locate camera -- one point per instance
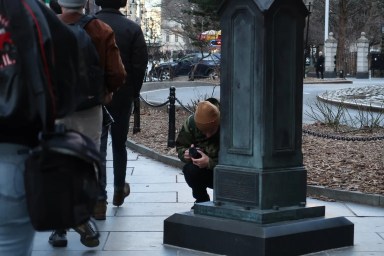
(193, 153)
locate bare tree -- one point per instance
(152, 38)
(175, 21)
(185, 19)
(347, 19)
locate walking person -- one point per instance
(27, 63)
(88, 119)
(133, 50)
(320, 66)
(197, 145)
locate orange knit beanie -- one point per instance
(207, 116)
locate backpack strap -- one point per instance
(84, 20)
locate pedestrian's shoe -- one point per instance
(58, 238)
(100, 210)
(89, 236)
(120, 194)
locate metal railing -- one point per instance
(171, 114)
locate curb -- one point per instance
(338, 195)
(351, 105)
(329, 82)
(346, 196)
(141, 149)
(156, 85)
(149, 86)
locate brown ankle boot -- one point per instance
(100, 210)
(120, 194)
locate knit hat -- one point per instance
(207, 116)
(114, 4)
(72, 3)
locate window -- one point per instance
(167, 38)
(176, 38)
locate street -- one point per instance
(186, 95)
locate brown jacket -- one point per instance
(103, 37)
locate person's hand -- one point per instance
(187, 157)
(201, 162)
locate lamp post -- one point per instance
(306, 52)
(382, 38)
(326, 22)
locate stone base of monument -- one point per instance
(234, 237)
(330, 74)
(362, 75)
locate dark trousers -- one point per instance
(120, 109)
(198, 180)
(320, 72)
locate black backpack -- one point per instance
(61, 180)
(28, 68)
(91, 92)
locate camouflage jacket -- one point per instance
(189, 134)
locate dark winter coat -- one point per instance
(132, 46)
(320, 63)
(190, 134)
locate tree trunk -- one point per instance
(343, 17)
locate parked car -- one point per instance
(206, 65)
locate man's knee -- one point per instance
(189, 168)
(191, 172)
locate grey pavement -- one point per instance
(158, 190)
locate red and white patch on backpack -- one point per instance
(7, 47)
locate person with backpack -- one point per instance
(39, 67)
(133, 50)
(110, 71)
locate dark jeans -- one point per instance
(199, 180)
(120, 109)
(320, 72)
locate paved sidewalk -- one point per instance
(158, 190)
(135, 228)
